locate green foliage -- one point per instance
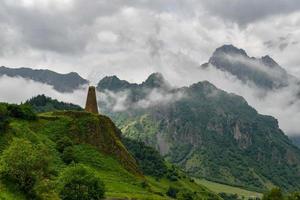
(24, 164)
(172, 192)
(186, 195)
(63, 143)
(294, 196)
(81, 183)
(226, 196)
(274, 194)
(41, 103)
(4, 117)
(22, 111)
(68, 155)
(149, 160)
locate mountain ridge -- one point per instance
(61, 82)
(265, 72)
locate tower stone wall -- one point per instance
(91, 101)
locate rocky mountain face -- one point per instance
(206, 131)
(60, 82)
(263, 72)
(296, 140)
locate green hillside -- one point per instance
(207, 132)
(47, 148)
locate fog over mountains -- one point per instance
(261, 81)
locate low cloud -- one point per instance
(18, 90)
(121, 101)
(283, 104)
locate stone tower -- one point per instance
(91, 101)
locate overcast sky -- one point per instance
(134, 38)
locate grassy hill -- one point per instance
(71, 138)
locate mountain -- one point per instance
(39, 153)
(60, 82)
(264, 72)
(207, 132)
(296, 140)
(113, 83)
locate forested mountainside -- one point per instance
(206, 131)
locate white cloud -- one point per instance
(120, 101)
(17, 90)
(135, 38)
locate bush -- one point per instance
(80, 183)
(294, 196)
(274, 194)
(63, 143)
(172, 192)
(68, 155)
(24, 164)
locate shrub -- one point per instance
(274, 194)
(63, 143)
(294, 196)
(172, 192)
(24, 163)
(68, 155)
(80, 183)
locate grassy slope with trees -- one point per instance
(49, 155)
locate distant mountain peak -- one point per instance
(112, 83)
(268, 61)
(155, 80)
(264, 71)
(229, 50)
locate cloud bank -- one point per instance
(132, 39)
(18, 90)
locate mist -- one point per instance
(120, 101)
(18, 90)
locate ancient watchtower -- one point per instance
(91, 101)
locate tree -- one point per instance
(24, 164)
(4, 118)
(81, 183)
(274, 194)
(23, 111)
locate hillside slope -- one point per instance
(92, 141)
(207, 132)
